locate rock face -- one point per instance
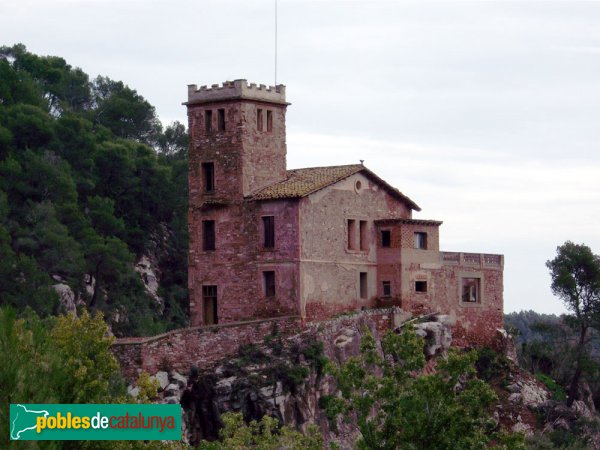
(527, 392)
(66, 297)
(149, 273)
(436, 333)
(282, 378)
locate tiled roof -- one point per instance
(302, 182)
(436, 223)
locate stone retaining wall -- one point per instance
(205, 346)
(202, 346)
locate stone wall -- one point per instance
(207, 346)
(202, 346)
(329, 269)
(245, 157)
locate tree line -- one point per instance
(89, 181)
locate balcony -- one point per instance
(481, 260)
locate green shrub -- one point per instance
(558, 392)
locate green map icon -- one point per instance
(23, 419)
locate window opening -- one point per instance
(386, 238)
(259, 119)
(208, 170)
(421, 240)
(208, 121)
(269, 121)
(387, 288)
(221, 119)
(351, 244)
(471, 290)
(364, 242)
(209, 298)
(269, 282)
(420, 286)
(363, 285)
(208, 235)
(269, 231)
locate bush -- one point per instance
(558, 392)
(491, 365)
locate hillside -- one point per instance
(92, 187)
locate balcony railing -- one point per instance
(472, 259)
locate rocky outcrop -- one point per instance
(437, 334)
(66, 297)
(148, 271)
(282, 377)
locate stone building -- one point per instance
(266, 241)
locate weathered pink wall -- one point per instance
(329, 271)
(245, 159)
(200, 346)
(207, 346)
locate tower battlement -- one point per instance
(237, 89)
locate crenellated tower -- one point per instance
(237, 146)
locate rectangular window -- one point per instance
(387, 289)
(269, 121)
(386, 238)
(364, 238)
(269, 283)
(421, 240)
(208, 172)
(420, 286)
(208, 235)
(351, 234)
(269, 231)
(221, 119)
(209, 303)
(363, 285)
(471, 290)
(208, 120)
(259, 119)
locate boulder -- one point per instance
(133, 390)
(66, 297)
(172, 390)
(163, 379)
(504, 344)
(173, 400)
(178, 379)
(437, 336)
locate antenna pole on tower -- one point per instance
(275, 42)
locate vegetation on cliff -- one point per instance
(60, 359)
(395, 405)
(89, 182)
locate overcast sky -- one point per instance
(487, 114)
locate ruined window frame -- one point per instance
(210, 293)
(221, 119)
(208, 121)
(386, 242)
(363, 285)
(209, 235)
(269, 121)
(269, 284)
(259, 119)
(351, 234)
(421, 286)
(420, 240)
(386, 288)
(363, 235)
(208, 176)
(268, 225)
(480, 289)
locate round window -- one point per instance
(357, 185)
